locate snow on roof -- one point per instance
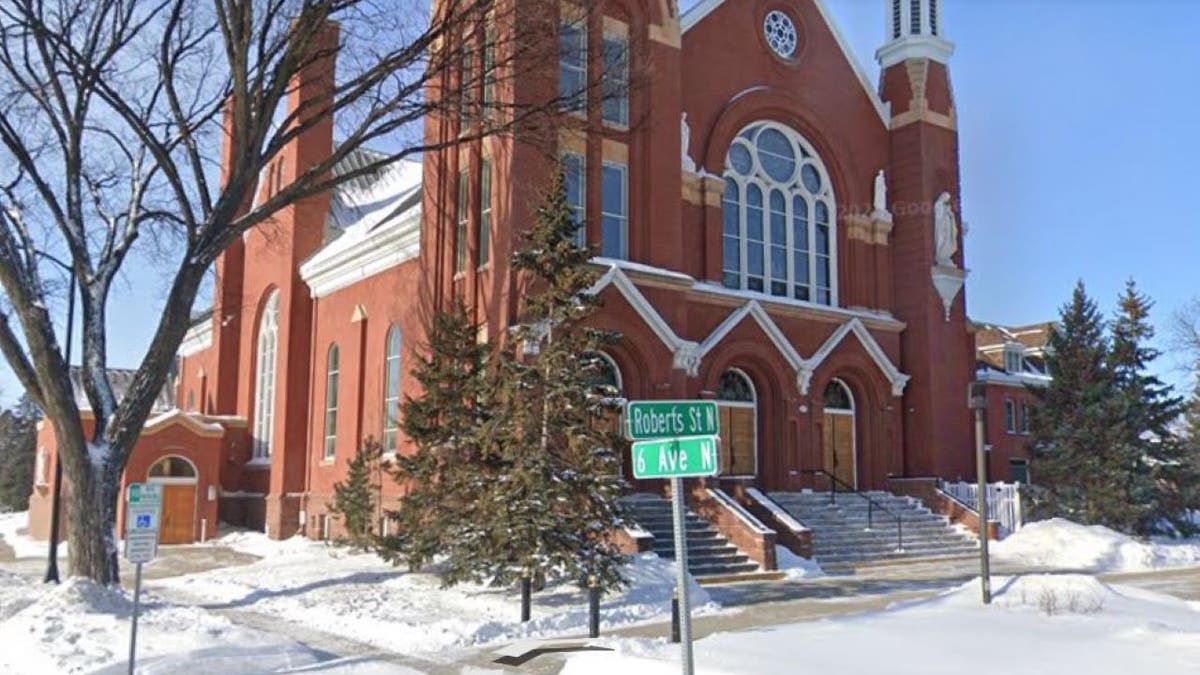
(372, 199)
(120, 379)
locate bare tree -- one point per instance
(110, 111)
(1186, 331)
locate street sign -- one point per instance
(143, 508)
(142, 513)
(670, 419)
(689, 457)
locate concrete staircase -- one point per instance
(841, 538)
(710, 555)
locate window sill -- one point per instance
(459, 276)
(328, 461)
(259, 463)
(609, 125)
(484, 267)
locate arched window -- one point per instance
(738, 409)
(778, 206)
(172, 467)
(391, 391)
(837, 397)
(331, 401)
(264, 402)
(606, 379)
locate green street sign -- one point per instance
(670, 419)
(692, 456)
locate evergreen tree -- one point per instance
(1069, 456)
(440, 510)
(1151, 467)
(553, 499)
(18, 454)
(356, 498)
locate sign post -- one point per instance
(142, 516)
(676, 440)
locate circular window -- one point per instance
(780, 31)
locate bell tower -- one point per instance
(927, 264)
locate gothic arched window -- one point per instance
(264, 401)
(778, 230)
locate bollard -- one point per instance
(526, 592)
(593, 609)
(675, 618)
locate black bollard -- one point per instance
(526, 592)
(675, 618)
(593, 611)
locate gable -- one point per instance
(825, 27)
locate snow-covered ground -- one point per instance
(1062, 544)
(359, 597)
(79, 627)
(13, 531)
(1039, 624)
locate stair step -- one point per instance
(709, 553)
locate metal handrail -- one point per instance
(871, 503)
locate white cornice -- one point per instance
(197, 339)
(357, 255)
(914, 47)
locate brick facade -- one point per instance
(905, 358)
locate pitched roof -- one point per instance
(375, 197)
(120, 379)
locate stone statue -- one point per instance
(685, 142)
(945, 231)
(880, 192)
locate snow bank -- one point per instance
(79, 627)
(360, 597)
(1061, 544)
(795, 567)
(1093, 628)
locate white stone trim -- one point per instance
(898, 379)
(835, 313)
(755, 311)
(342, 264)
(197, 339)
(688, 355)
(777, 513)
(914, 47)
(683, 350)
(702, 9)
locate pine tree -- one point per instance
(356, 498)
(440, 510)
(553, 499)
(1151, 467)
(18, 454)
(1069, 454)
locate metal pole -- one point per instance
(137, 597)
(675, 617)
(681, 560)
(526, 601)
(985, 575)
(593, 610)
(56, 489)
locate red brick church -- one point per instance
(775, 231)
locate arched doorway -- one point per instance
(838, 442)
(738, 408)
(178, 479)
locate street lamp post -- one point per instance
(977, 401)
(56, 489)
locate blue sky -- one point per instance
(1080, 157)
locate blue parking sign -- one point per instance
(143, 521)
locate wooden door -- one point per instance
(838, 445)
(178, 514)
(737, 441)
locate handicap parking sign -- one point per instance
(143, 521)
